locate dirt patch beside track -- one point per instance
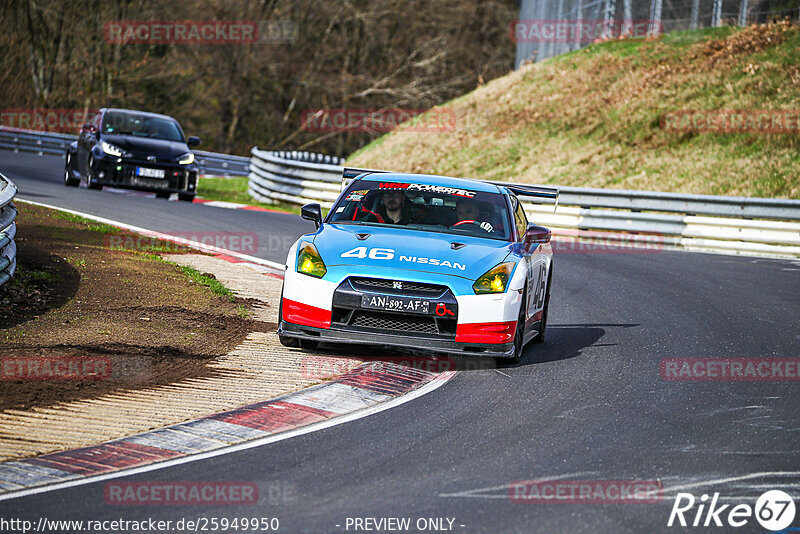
(73, 298)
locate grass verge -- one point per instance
(593, 118)
(235, 190)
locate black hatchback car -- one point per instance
(135, 150)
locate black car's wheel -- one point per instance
(186, 197)
(539, 338)
(69, 180)
(91, 179)
(163, 194)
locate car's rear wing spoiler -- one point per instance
(538, 191)
(350, 173)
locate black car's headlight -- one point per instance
(111, 150)
(310, 262)
(186, 159)
(495, 279)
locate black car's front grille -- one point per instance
(390, 321)
(397, 287)
(142, 158)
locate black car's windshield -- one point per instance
(149, 126)
(426, 207)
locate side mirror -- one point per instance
(312, 212)
(193, 141)
(537, 234)
(96, 132)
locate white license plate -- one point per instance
(398, 304)
(149, 173)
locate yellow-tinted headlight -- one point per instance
(310, 262)
(495, 279)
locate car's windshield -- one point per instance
(149, 126)
(425, 207)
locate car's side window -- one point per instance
(520, 219)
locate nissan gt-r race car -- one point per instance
(448, 265)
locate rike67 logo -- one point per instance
(774, 511)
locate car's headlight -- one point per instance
(310, 262)
(495, 279)
(111, 150)
(186, 159)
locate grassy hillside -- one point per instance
(592, 118)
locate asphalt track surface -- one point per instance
(589, 404)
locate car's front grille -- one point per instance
(150, 182)
(390, 321)
(397, 287)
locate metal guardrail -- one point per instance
(41, 143)
(742, 225)
(8, 229)
(216, 164)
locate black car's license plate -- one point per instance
(149, 173)
(398, 304)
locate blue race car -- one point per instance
(448, 265)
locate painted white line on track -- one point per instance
(397, 401)
(278, 267)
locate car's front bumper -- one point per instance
(119, 172)
(337, 334)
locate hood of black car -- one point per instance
(145, 146)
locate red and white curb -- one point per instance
(369, 388)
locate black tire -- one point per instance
(287, 341)
(91, 181)
(308, 344)
(163, 194)
(519, 336)
(186, 197)
(540, 337)
(69, 180)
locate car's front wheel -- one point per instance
(91, 179)
(69, 180)
(539, 338)
(186, 197)
(163, 194)
(308, 344)
(286, 341)
(519, 336)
